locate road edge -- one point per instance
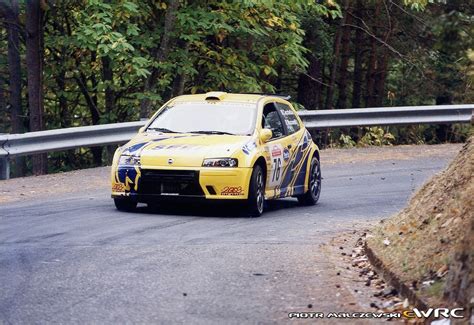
(391, 278)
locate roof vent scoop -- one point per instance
(215, 95)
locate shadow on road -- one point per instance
(213, 209)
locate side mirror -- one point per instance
(141, 130)
(265, 135)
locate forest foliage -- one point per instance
(83, 62)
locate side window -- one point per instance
(291, 122)
(271, 120)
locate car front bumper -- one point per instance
(147, 184)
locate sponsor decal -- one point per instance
(287, 112)
(249, 147)
(133, 148)
(129, 177)
(276, 151)
(177, 147)
(118, 187)
(306, 139)
(276, 166)
(232, 190)
(286, 154)
(137, 148)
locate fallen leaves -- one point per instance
(442, 271)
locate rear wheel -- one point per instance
(311, 197)
(125, 204)
(256, 199)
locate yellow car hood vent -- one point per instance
(215, 95)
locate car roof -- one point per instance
(224, 97)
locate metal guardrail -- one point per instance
(12, 145)
(380, 116)
(63, 139)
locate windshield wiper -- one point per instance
(211, 132)
(164, 130)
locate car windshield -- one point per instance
(206, 118)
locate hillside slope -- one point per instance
(430, 244)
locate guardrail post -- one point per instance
(4, 168)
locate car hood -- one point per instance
(182, 150)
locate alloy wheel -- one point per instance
(315, 182)
(260, 192)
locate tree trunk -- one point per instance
(96, 151)
(108, 78)
(310, 83)
(372, 64)
(346, 38)
(91, 101)
(82, 83)
(380, 79)
(358, 44)
(94, 84)
(309, 86)
(323, 80)
(63, 107)
(382, 67)
(64, 115)
(337, 49)
(34, 64)
(178, 85)
(446, 74)
(442, 130)
(160, 54)
(3, 106)
(14, 69)
(332, 77)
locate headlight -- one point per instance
(129, 161)
(220, 162)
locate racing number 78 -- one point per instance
(276, 171)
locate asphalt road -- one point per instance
(75, 259)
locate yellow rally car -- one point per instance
(219, 146)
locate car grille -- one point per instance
(170, 182)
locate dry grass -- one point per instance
(419, 243)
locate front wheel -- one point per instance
(311, 197)
(125, 204)
(256, 199)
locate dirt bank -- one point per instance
(430, 244)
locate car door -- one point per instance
(275, 148)
(295, 152)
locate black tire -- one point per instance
(311, 197)
(256, 199)
(125, 204)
